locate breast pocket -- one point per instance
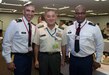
(43, 38)
(87, 38)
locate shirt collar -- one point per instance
(81, 23)
(25, 20)
(56, 26)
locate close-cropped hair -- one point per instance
(50, 10)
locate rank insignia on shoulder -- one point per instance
(61, 28)
(90, 23)
(33, 24)
(58, 34)
(41, 26)
(69, 32)
(42, 35)
(23, 32)
(18, 20)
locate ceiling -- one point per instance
(93, 7)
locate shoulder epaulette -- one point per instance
(41, 26)
(18, 20)
(61, 28)
(90, 23)
(33, 24)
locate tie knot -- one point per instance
(79, 24)
(29, 24)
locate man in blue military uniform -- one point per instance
(84, 39)
(17, 43)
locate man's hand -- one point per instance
(96, 65)
(11, 66)
(37, 64)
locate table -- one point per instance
(103, 70)
(106, 45)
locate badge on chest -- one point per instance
(77, 37)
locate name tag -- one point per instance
(42, 35)
(77, 37)
(23, 32)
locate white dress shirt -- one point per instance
(91, 40)
(16, 38)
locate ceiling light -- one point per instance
(24, 0)
(73, 11)
(62, 14)
(102, 13)
(6, 10)
(96, 0)
(14, 10)
(65, 7)
(27, 3)
(100, 0)
(50, 8)
(103, 0)
(41, 12)
(89, 11)
(93, 13)
(11, 4)
(70, 15)
(0, 1)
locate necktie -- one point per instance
(29, 35)
(77, 47)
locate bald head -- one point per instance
(80, 13)
(80, 7)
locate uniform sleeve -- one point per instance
(64, 38)
(7, 41)
(34, 30)
(36, 38)
(99, 44)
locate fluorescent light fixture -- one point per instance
(93, 13)
(103, 0)
(0, 1)
(50, 8)
(73, 11)
(100, 0)
(65, 7)
(27, 3)
(70, 15)
(103, 13)
(7, 10)
(41, 12)
(24, 0)
(62, 14)
(14, 10)
(11, 4)
(88, 11)
(96, 0)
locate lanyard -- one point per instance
(25, 25)
(50, 33)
